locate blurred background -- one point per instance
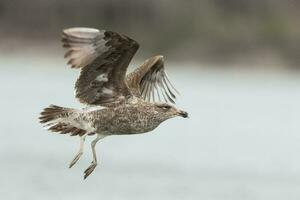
(235, 64)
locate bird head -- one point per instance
(167, 111)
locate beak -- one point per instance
(183, 114)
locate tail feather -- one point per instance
(53, 112)
(55, 119)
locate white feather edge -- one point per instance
(82, 32)
(82, 53)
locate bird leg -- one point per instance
(93, 165)
(80, 151)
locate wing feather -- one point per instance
(103, 57)
(151, 82)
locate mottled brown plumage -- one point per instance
(117, 104)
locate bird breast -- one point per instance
(133, 120)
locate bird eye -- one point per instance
(165, 107)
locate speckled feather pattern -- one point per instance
(128, 101)
(118, 104)
(131, 118)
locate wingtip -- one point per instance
(159, 58)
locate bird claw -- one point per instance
(89, 170)
(75, 159)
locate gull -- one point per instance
(115, 103)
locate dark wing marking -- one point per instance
(103, 57)
(151, 82)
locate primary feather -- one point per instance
(103, 57)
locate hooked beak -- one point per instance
(183, 114)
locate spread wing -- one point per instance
(103, 57)
(151, 82)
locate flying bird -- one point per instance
(116, 103)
